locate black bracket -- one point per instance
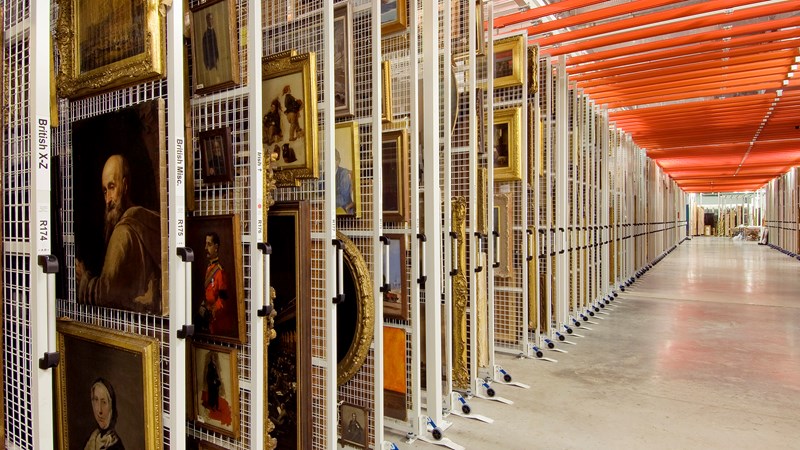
(50, 359)
(186, 331)
(49, 264)
(265, 248)
(264, 311)
(186, 254)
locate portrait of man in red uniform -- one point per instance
(214, 319)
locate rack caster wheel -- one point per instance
(437, 434)
(569, 330)
(596, 309)
(591, 313)
(466, 409)
(602, 305)
(550, 344)
(490, 392)
(561, 337)
(507, 378)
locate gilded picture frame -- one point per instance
(394, 16)
(348, 169)
(462, 31)
(460, 293)
(386, 90)
(481, 215)
(289, 400)
(215, 46)
(356, 315)
(508, 54)
(353, 425)
(217, 274)
(343, 96)
(88, 30)
(214, 378)
(216, 156)
(507, 143)
(395, 300)
(395, 176)
(291, 132)
(109, 271)
(122, 368)
(502, 224)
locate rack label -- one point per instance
(41, 166)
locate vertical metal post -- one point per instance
(605, 198)
(490, 317)
(523, 197)
(446, 79)
(562, 192)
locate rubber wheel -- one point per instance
(466, 409)
(569, 330)
(539, 354)
(507, 378)
(551, 345)
(591, 313)
(578, 324)
(561, 337)
(585, 319)
(490, 392)
(437, 434)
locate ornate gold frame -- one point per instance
(386, 90)
(144, 347)
(400, 24)
(460, 294)
(517, 45)
(350, 131)
(533, 69)
(134, 69)
(505, 226)
(482, 200)
(289, 63)
(512, 117)
(362, 340)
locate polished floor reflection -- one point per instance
(703, 352)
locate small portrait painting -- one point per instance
(108, 389)
(395, 303)
(348, 170)
(215, 49)
(504, 63)
(217, 289)
(508, 54)
(215, 393)
(353, 425)
(506, 144)
(501, 145)
(290, 115)
(395, 175)
(216, 156)
(120, 209)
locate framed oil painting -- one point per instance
(395, 176)
(216, 157)
(395, 300)
(506, 148)
(120, 198)
(108, 388)
(502, 224)
(348, 170)
(106, 44)
(508, 53)
(353, 425)
(217, 286)
(386, 89)
(395, 373)
(215, 46)
(289, 354)
(214, 373)
(394, 16)
(355, 319)
(343, 96)
(461, 30)
(290, 120)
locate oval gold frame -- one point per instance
(362, 339)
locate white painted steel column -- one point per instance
(259, 288)
(562, 193)
(42, 285)
(180, 277)
(475, 257)
(331, 273)
(523, 347)
(378, 247)
(537, 215)
(447, 158)
(489, 122)
(433, 209)
(417, 423)
(604, 205)
(549, 235)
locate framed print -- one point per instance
(356, 317)
(348, 170)
(120, 198)
(289, 356)
(217, 287)
(353, 426)
(108, 388)
(386, 89)
(394, 16)
(214, 373)
(395, 373)
(216, 157)
(506, 148)
(290, 121)
(395, 176)
(395, 300)
(215, 46)
(106, 44)
(343, 60)
(502, 223)
(508, 61)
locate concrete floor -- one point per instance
(703, 352)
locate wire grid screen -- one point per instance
(17, 357)
(509, 294)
